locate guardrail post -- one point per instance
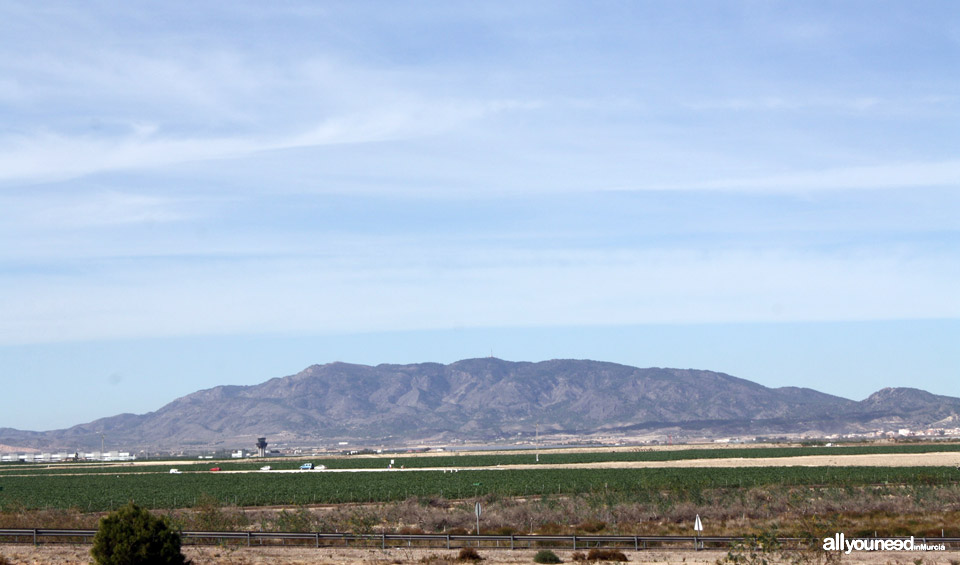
(448, 541)
(511, 541)
(317, 535)
(574, 543)
(383, 541)
(34, 536)
(636, 544)
(248, 539)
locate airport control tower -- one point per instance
(261, 446)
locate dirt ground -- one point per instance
(945, 459)
(79, 554)
(951, 459)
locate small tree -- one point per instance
(133, 536)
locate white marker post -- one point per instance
(478, 510)
(697, 529)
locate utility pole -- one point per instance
(537, 442)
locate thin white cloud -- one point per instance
(51, 156)
(413, 120)
(873, 177)
(204, 86)
(896, 175)
(97, 209)
(418, 289)
(787, 103)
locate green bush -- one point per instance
(133, 536)
(546, 556)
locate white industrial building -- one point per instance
(64, 456)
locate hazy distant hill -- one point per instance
(490, 399)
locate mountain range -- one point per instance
(492, 400)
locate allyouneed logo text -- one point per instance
(839, 542)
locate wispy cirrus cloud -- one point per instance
(49, 156)
(868, 177)
(871, 177)
(343, 292)
(787, 103)
(101, 208)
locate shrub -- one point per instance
(211, 516)
(592, 526)
(606, 555)
(133, 536)
(578, 556)
(546, 556)
(469, 554)
(301, 520)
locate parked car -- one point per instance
(175, 471)
(214, 469)
(306, 466)
(265, 468)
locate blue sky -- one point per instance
(194, 195)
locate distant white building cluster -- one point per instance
(901, 432)
(64, 456)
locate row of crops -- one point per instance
(100, 492)
(494, 459)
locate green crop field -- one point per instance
(105, 491)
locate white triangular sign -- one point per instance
(698, 525)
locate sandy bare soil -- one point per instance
(71, 555)
(948, 459)
(872, 460)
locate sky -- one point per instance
(196, 194)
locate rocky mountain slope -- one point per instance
(490, 399)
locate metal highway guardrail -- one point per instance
(428, 541)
